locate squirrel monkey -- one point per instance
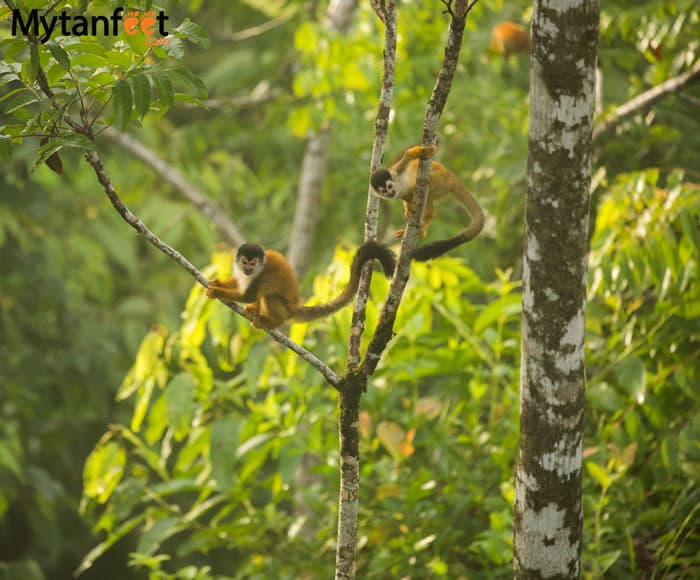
(399, 181)
(508, 38)
(266, 282)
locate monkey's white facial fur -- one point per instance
(249, 263)
(388, 189)
(383, 183)
(249, 267)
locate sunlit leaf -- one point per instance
(599, 474)
(631, 374)
(103, 471)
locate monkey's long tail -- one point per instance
(435, 249)
(366, 252)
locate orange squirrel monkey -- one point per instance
(266, 282)
(508, 38)
(399, 181)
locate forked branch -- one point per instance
(385, 327)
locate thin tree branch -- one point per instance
(690, 99)
(240, 102)
(646, 99)
(386, 11)
(94, 160)
(385, 327)
(260, 29)
(201, 201)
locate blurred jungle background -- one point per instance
(148, 433)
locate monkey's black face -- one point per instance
(383, 183)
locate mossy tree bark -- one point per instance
(548, 514)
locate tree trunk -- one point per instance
(548, 518)
(313, 174)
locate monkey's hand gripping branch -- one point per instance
(96, 163)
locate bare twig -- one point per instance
(239, 102)
(260, 29)
(356, 375)
(646, 99)
(93, 159)
(386, 11)
(172, 175)
(96, 163)
(690, 99)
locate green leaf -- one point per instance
(20, 102)
(164, 88)
(306, 38)
(93, 61)
(143, 400)
(121, 93)
(142, 94)
(5, 148)
(160, 531)
(632, 375)
(146, 359)
(103, 471)
(194, 33)
(179, 396)
(175, 48)
(59, 54)
(599, 474)
(33, 68)
(299, 121)
(196, 85)
(606, 561)
(22, 570)
(499, 310)
(112, 539)
(225, 434)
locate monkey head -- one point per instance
(250, 260)
(382, 182)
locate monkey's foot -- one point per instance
(399, 233)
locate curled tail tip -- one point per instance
(372, 250)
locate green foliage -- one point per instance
(225, 425)
(226, 462)
(130, 75)
(643, 402)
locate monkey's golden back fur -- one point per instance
(278, 279)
